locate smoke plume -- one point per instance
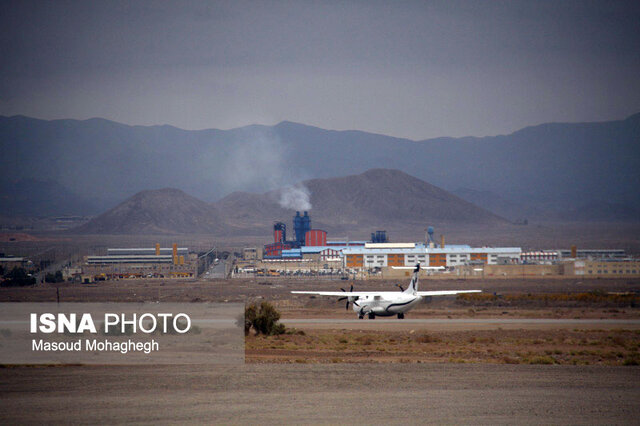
(259, 161)
(295, 197)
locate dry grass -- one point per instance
(595, 298)
(566, 347)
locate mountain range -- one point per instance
(76, 167)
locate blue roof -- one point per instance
(292, 253)
(313, 249)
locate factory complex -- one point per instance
(312, 244)
(309, 252)
(158, 262)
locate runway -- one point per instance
(460, 323)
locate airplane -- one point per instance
(386, 303)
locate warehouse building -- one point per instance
(591, 253)
(124, 263)
(409, 254)
(603, 268)
(8, 263)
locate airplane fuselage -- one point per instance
(385, 305)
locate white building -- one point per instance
(384, 255)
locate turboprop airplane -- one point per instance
(386, 303)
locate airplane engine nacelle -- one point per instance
(378, 310)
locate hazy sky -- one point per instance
(410, 69)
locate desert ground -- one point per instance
(528, 351)
(526, 321)
(322, 394)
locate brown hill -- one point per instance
(162, 211)
(376, 198)
(248, 210)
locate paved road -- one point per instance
(312, 394)
(217, 271)
(497, 321)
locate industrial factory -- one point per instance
(312, 244)
(305, 251)
(126, 263)
(309, 251)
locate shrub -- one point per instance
(18, 277)
(250, 313)
(263, 320)
(54, 278)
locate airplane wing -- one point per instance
(428, 268)
(381, 293)
(346, 293)
(446, 292)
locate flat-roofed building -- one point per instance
(158, 262)
(409, 254)
(605, 268)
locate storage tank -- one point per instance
(315, 238)
(379, 237)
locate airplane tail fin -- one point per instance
(413, 285)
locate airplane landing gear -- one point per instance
(400, 316)
(372, 315)
(360, 316)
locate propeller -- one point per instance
(348, 298)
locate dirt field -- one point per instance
(368, 371)
(323, 394)
(551, 345)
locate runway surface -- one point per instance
(322, 394)
(460, 323)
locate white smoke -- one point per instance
(259, 162)
(255, 163)
(295, 197)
